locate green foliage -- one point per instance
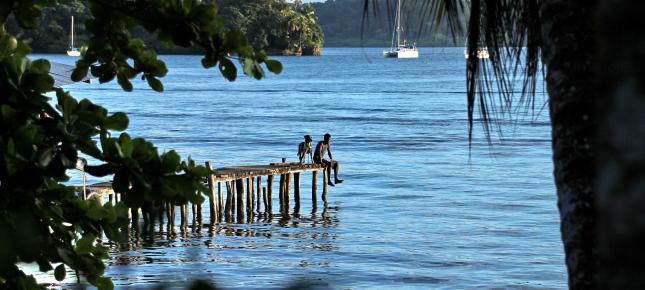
(274, 25)
(42, 220)
(271, 25)
(52, 32)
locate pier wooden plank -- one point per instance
(239, 201)
(239, 172)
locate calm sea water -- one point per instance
(415, 212)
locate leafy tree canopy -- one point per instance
(274, 24)
(41, 218)
(271, 25)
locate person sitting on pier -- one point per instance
(304, 150)
(323, 146)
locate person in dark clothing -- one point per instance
(304, 150)
(319, 153)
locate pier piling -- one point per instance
(270, 193)
(314, 189)
(238, 203)
(324, 191)
(212, 198)
(240, 200)
(296, 191)
(287, 193)
(258, 191)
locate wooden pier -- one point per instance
(249, 193)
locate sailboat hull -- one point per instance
(73, 53)
(407, 53)
(481, 54)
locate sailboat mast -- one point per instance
(71, 35)
(398, 23)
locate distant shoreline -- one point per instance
(323, 49)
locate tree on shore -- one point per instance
(593, 57)
(265, 23)
(41, 219)
(275, 25)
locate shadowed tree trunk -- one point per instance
(568, 53)
(621, 183)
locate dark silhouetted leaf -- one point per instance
(273, 66)
(60, 272)
(117, 122)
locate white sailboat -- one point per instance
(398, 50)
(482, 52)
(72, 50)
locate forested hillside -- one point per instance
(273, 25)
(276, 26)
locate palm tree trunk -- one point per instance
(568, 33)
(621, 178)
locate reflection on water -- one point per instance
(420, 210)
(193, 250)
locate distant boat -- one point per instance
(398, 50)
(72, 50)
(482, 52)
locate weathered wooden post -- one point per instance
(270, 193)
(325, 178)
(265, 199)
(183, 212)
(193, 207)
(173, 208)
(249, 194)
(233, 187)
(281, 193)
(200, 213)
(227, 205)
(220, 199)
(169, 213)
(134, 213)
(240, 199)
(186, 214)
(258, 191)
(314, 189)
(212, 198)
(287, 193)
(296, 191)
(228, 211)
